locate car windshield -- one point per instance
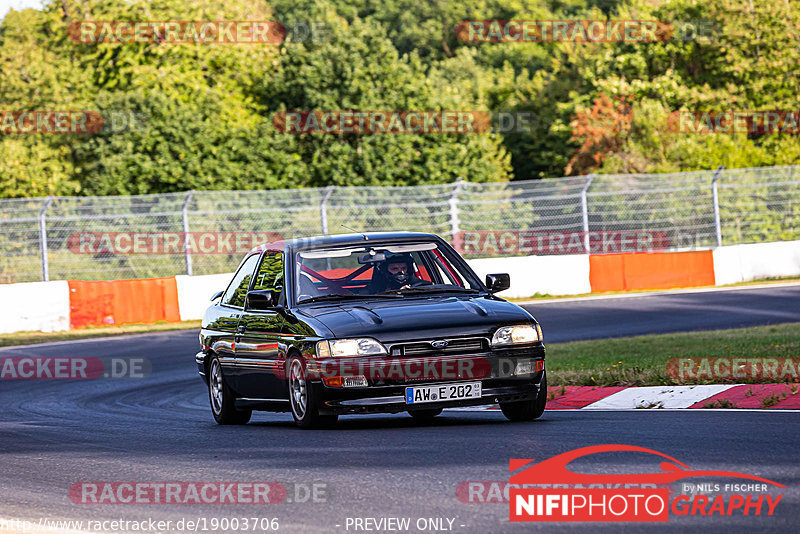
(379, 270)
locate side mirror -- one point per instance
(217, 295)
(498, 282)
(261, 299)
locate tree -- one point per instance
(359, 69)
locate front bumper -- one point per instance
(396, 403)
(200, 360)
(386, 392)
(495, 371)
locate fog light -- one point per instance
(524, 367)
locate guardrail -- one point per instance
(41, 238)
(65, 305)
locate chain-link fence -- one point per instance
(44, 238)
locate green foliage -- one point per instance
(204, 112)
(359, 69)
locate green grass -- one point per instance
(642, 360)
(720, 403)
(26, 338)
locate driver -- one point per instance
(396, 272)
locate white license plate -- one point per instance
(443, 392)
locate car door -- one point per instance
(259, 365)
(227, 315)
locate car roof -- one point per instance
(344, 239)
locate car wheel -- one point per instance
(527, 410)
(222, 398)
(425, 416)
(304, 399)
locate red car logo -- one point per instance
(554, 470)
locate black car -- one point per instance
(367, 323)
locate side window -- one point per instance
(420, 271)
(446, 272)
(234, 295)
(270, 274)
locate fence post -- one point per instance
(187, 254)
(715, 201)
(43, 238)
(455, 223)
(323, 211)
(585, 212)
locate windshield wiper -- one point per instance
(339, 296)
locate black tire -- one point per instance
(527, 410)
(304, 398)
(223, 401)
(425, 416)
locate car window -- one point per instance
(447, 273)
(374, 269)
(418, 267)
(335, 268)
(270, 273)
(237, 290)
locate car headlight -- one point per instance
(512, 335)
(345, 348)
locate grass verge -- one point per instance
(26, 338)
(642, 360)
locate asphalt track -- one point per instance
(159, 429)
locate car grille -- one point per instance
(454, 346)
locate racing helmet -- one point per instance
(397, 280)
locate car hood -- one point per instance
(414, 318)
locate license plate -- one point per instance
(443, 392)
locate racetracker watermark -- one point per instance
(581, 31)
(529, 242)
(165, 243)
(195, 524)
(177, 31)
(404, 122)
(782, 369)
(208, 492)
(336, 372)
(71, 368)
(50, 122)
(731, 122)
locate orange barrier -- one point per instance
(122, 301)
(658, 270)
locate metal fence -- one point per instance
(680, 211)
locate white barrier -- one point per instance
(553, 275)
(742, 263)
(194, 293)
(34, 306)
(45, 306)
